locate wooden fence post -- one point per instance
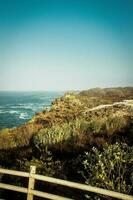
(31, 182)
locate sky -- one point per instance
(65, 44)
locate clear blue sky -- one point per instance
(65, 44)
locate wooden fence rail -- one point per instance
(31, 192)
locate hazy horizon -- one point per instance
(66, 90)
(49, 45)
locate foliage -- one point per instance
(45, 165)
(108, 125)
(111, 168)
(57, 135)
(54, 140)
(82, 132)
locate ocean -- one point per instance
(16, 108)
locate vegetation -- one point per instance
(111, 168)
(96, 140)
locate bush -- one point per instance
(57, 136)
(111, 168)
(45, 165)
(109, 125)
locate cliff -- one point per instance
(101, 114)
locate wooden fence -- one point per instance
(31, 192)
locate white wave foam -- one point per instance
(13, 112)
(2, 111)
(23, 116)
(18, 108)
(24, 106)
(33, 106)
(9, 111)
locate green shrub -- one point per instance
(45, 165)
(57, 135)
(111, 168)
(80, 133)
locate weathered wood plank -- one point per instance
(84, 187)
(13, 188)
(32, 176)
(14, 172)
(48, 195)
(31, 183)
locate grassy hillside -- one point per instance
(71, 107)
(81, 130)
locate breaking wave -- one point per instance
(23, 116)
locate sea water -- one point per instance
(16, 108)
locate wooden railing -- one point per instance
(31, 192)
